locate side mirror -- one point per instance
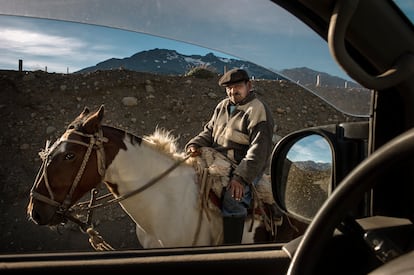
(306, 166)
(305, 180)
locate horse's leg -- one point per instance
(147, 240)
(290, 229)
(251, 236)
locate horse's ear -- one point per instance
(93, 123)
(101, 112)
(85, 112)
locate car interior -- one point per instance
(361, 210)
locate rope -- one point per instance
(95, 239)
(212, 169)
(97, 242)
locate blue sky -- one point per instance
(313, 147)
(63, 47)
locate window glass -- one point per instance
(51, 70)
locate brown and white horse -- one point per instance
(158, 190)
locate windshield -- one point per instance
(267, 36)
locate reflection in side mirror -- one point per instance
(307, 174)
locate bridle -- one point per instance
(96, 142)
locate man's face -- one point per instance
(238, 91)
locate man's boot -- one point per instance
(233, 230)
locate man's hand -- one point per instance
(236, 188)
(193, 151)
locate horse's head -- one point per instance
(72, 166)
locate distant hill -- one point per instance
(306, 77)
(170, 62)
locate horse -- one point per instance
(155, 184)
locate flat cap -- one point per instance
(233, 76)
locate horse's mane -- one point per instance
(161, 139)
(164, 141)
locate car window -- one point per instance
(223, 31)
(51, 70)
(406, 8)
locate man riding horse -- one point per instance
(240, 128)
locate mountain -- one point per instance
(313, 166)
(170, 62)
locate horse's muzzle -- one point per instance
(43, 214)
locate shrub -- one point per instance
(202, 71)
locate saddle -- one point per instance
(213, 172)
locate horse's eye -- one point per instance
(69, 156)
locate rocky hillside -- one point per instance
(171, 62)
(37, 106)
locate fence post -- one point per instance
(318, 80)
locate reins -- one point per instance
(95, 142)
(142, 188)
(97, 242)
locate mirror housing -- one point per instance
(307, 165)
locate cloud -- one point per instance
(42, 44)
(39, 50)
(232, 27)
(312, 147)
(38, 44)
